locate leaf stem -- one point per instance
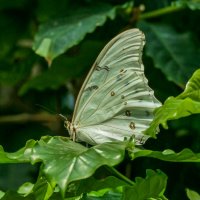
(162, 11)
(119, 175)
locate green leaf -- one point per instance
(11, 195)
(16, 157)
(16, 69)
(168, 50)
(192, 4)
(25, 189)
(1, 194)
(43, 189)
(187, 103)
(93, 184)
(192, 195)
(111, 195)
(152, 187)
(11, 28)
(186, 155)
(62, 158)
(55, 37)
(192, 89)
(65, 68)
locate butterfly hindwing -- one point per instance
(115, 100)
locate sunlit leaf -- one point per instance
(187, 103)
(26, 188)
(16, 157)
(192, 195)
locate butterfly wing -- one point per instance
(115, 100)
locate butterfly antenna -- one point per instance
(45, 108)
(62, 117)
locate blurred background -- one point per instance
(46, 49)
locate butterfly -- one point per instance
(115, 101)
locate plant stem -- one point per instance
(119, 175)
(161, 11)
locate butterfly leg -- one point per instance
(74, 135)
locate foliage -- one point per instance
(47, 48)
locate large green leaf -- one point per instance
(152, 187)
(62, 158)
(187, 103)
(175, 54)
(55, 37)
(66, 161)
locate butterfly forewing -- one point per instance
(115, 100)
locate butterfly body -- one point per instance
(115, 101)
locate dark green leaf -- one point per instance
(175, 54)
(186, 155)
(111, 195)
(16, 69)
(65, 68)
(55, 37)
(43, 189)
(152, 187)
(11, 27)
(192, 4)
(10, 195)
(92, 184)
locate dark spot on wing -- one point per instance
(128, 113)
(98, 68)
(132, 125)
(93, 87)
(112, 93)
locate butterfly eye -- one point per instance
(121, 70)
(128, 113)
(132, 125)
(112, 93)
(122, 97)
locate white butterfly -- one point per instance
(115, 101)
